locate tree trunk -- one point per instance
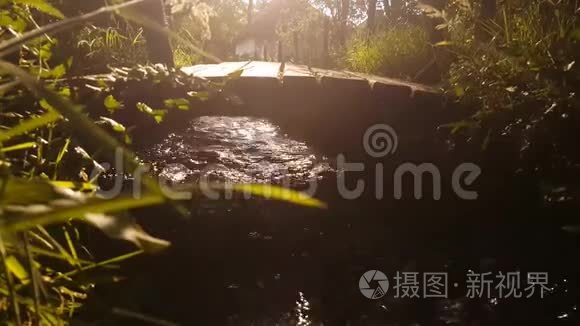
(371, 15)
(158, 43)
(325, 42)
(296, 47)
(344, 13)
(280, 52)
(396, 9)
(250, 12)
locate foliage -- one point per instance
(50, 148)
(302, 23)
(519, 72)
(398, 51)
(191, 21)
(121, 45)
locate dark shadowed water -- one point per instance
(256, 262)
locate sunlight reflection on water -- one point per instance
(236, 149)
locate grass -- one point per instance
(43, 182)
(400, 51)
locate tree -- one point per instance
(371, 15)
(343, 27)
(158, 43)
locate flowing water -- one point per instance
(238, 150)
(254, 262)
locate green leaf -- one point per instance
(44, 104)
(71, 246)
(158, 115)
(17, 24)
(178, 103)
(29, 125)
(45, 52)
(65, 91)
(113, 124)
(279, 193)
(18, 147)
(17, 269)
(60, 214)
(235, 74)
(144, 108)
(18, 191)
(80, 186)
(58, 71)
(42, 6)
(62, 151)
(112, 104)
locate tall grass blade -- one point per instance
(10, 283)
(60, 215)
(104, 263)
(29, 125)
(280, 194)
(18, 147)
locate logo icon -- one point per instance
(374, 278)
(380, 140)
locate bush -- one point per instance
(122, 45)
(519, 73)
(401, 51)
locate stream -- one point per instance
(258, 262)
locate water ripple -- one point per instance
(235, 149)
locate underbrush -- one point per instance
(56, 129)
(400, 51)
(518, 74)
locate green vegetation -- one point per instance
(55, 126)
(401, 51)
(518, 71)
(70, 72)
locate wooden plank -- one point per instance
(293, 70)
(298, 73)
(335, 74)
(219, 70)
(373, 79)
(261, 69)
(341, 81)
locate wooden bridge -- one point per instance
(332, 107)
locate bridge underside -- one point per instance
(328, 108)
